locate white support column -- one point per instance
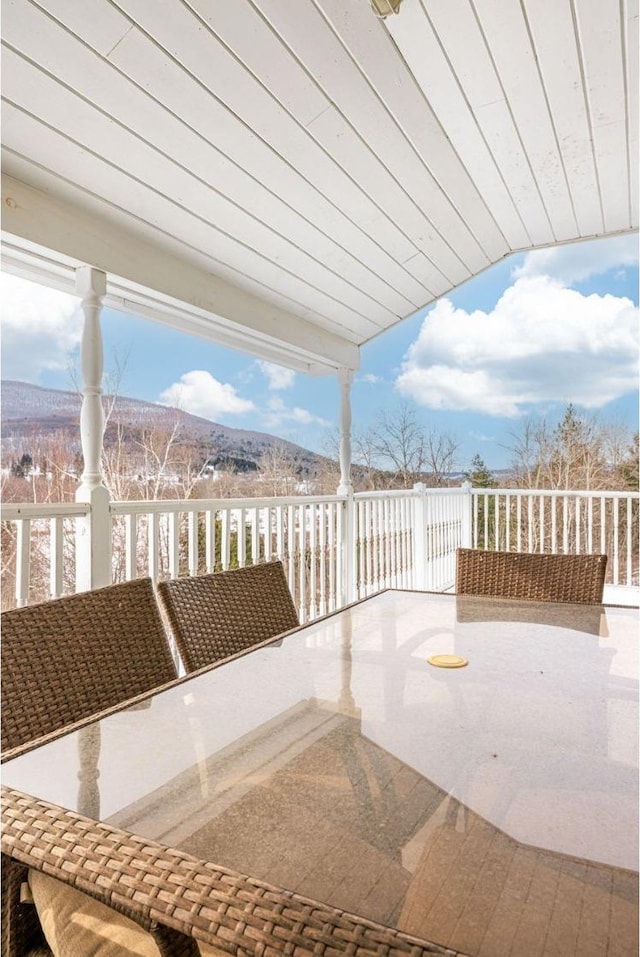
(345, 380)
(93, 535)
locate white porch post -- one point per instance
(345, 380)
(93, 533)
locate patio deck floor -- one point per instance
(410, 855)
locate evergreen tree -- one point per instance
(23, 467)
(479, 474)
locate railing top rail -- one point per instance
(411, 492)
(143, 507)
(13, 512)
(551, 492)
(387, 493)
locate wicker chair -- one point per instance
(559, 578)
(62, 661)
(66, 659)
(184, 899)
(214, 616)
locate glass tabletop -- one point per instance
(341, 764)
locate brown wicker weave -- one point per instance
(205, 902)
(62, 661)
(561, 578)
(65, 659)
(214, 616)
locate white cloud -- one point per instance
(541, 342)
(370, 378)
(277, 376)
(575, 262)
(40, 328)
(201, 394)
(278, 414)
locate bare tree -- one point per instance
(279, 470)
(399, 441)
(579, 452)
(440, 457)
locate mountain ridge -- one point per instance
(27, 410)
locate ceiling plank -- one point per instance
(506, 33)
(371, 46)
(37, 218)
(205, 163)
(552, 28)
(158, 85)
(356, 103)
(133, 197)
(606, 98)
(326, 139)
(486, 143)
(632, 78)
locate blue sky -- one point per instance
(522, 340)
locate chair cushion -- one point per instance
(76, 925)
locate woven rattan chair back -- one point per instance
(66, 659)
(214, 616)
(565, 578)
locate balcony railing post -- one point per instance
(420, 531)
(93, 543)
(466, 530)
(349, 537)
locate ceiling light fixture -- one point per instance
(382, 8)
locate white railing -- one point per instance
(334, 548)
(189, 537)
(563, 522)
(384, 541)
(38, 550)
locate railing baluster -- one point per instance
(131, 546)
(334, 511)
(302, 549)
(23, 562)
(267, 516)
(255, 536)
(322, 518)
(360, 545)
(192, 532)
(152, 543)
(616, 541)
(280, 532)
(225, 541)
(174, 545)
(475, 520)
(313, 557)
(56, 557)
(629, 576)
(368, 530)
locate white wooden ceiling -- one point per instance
(296, 176)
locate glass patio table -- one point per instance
(491, 807)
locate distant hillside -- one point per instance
(30, 410)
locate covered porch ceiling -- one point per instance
(293, 177)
